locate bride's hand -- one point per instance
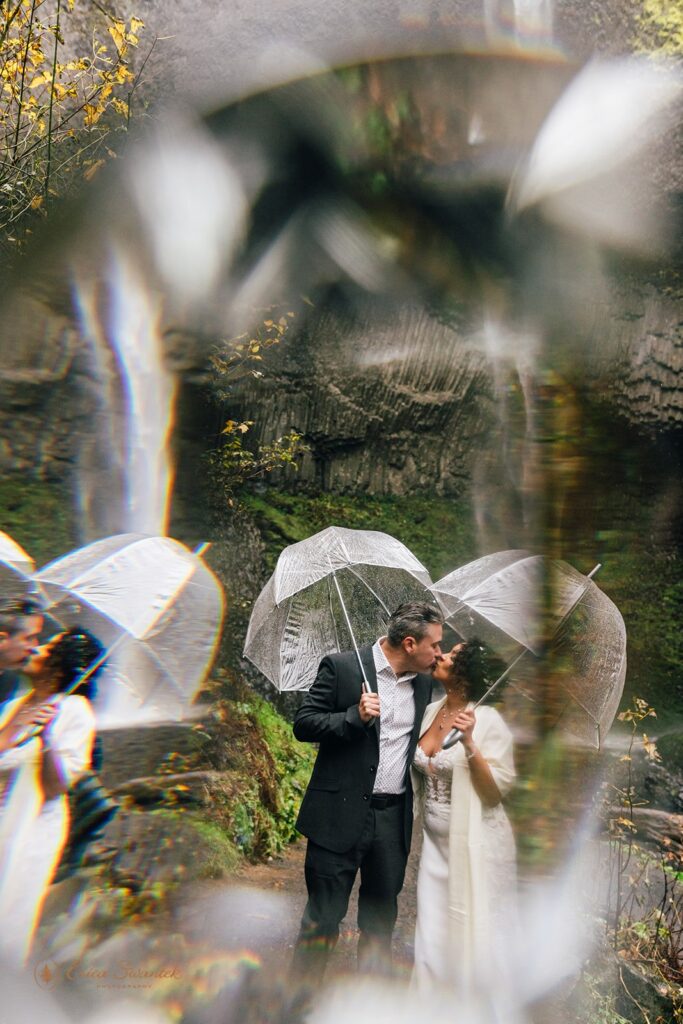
(465, 722)
(40, 715)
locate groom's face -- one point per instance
(422, 655)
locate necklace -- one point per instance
(448, 717)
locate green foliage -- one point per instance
(597, 1005)
(647, 588)
(439, 531)
(265, 770)
(233, 465)
(38, 515)
(58, 112)
(293, 766)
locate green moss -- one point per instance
(263, 770)
(293, 766)
(38, 515)
(220, 854)
(439, 531)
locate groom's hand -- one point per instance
(368, 707)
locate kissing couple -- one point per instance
(380, 761)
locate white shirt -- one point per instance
(397, 717)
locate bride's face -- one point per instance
(443, 670)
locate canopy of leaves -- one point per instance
(58, 109)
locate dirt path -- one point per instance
(285, 875)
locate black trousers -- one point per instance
(381, 857)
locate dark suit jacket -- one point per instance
(335, 806)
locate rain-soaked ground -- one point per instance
(285, 875)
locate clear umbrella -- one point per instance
(155, 606)
(521, 603)
(331, 592)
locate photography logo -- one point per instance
(46, 974)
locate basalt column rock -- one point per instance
(389, 402)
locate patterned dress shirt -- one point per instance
(397, 717)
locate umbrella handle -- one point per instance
(453, 737)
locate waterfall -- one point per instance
(125, 473)
(521, 22)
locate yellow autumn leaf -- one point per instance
(92, 114)
(123, 74)
(136, 24)
(118, 33)
(120, 107)
(37, 202)
(39, 80)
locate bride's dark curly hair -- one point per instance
(71, 655)
(478, 668)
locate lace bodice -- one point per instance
(438, 775)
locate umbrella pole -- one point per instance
(366, 685)
(455, 735)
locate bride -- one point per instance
(467, 874)
(36, 776)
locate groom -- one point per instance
(357, 812)
(21, 621)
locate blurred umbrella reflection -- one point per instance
(157, 609)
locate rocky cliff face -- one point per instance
(390, 402)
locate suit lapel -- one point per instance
(421, 689)
(369, 666)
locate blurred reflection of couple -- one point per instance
(379, 757)
(46, 743)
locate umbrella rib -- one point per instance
(334, 621)
(284, 630)
(167, 677)
(345, 550)
(368, 587)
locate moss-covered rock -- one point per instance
(37, 514)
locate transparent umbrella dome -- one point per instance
(301, 613)
(156, 605)
(518, 602)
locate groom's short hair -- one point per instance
(15, 612)
(412, 619)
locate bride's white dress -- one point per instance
(33, 830)
(466, 889)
